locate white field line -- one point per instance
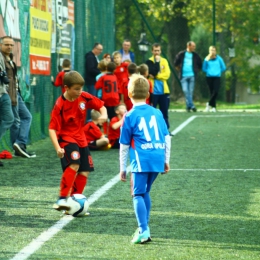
(214, 170)
(48, 234)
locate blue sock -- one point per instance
(140, 212)
(147, 201)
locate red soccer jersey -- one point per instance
(148, 101)
(59, 80)
(92, 131)
(121, 73)
(113, 134)
(68, 118)
(124, 92)
(109, 85)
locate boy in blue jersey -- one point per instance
(145, 135)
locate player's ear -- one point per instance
(66, 87)
(130, 95)
(148, 95)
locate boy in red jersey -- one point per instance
(109, 85)
(114, 126)
(66, 65)
(96, 139)
(121, 68)
(66, 131)
(144, 71)
(132, 69)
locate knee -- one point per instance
(74, 167)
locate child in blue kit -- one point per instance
(144, 134)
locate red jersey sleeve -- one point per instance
(99, 84)
(59, 79)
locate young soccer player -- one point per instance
(144, 133)
(66, 66)
(96, 139)
(121, 68)
(109, 85)
(66, 131)
(132, 69)
(102, 66)
(144, 71)
(114, 126)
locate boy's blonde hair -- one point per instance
(94, 114)
(116, 53)
(72, 78)
(142, 69)
(102, 65)
(138, 87)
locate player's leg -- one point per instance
(70, 165)
(86, 166)
(139, 189)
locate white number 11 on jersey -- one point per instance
(152, 124)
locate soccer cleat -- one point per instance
(61, 204)
(213, 110)
(194, 109)
(140, 238)
(137, 232)
(207, 107)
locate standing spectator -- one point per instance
(6, 114)
(213, 66)
(159, 73)
(19, 131)
(188, 63)
(91, 69)
(66, 67)
(125, 51)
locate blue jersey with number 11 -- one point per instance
(144, 129)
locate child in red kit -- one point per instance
(114, 126)
(132, 69)
(66, 132)
(109, 85)
(66, 66)
(144, 71)
(96, 139)
(121, 68)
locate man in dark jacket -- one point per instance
(91, 70)
(188, 63)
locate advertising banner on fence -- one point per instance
(40, 41)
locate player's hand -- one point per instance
(102, 119)
(157, 58)
(122, 176)
(60, 152)
(166, 168)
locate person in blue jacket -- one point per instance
(213, 66)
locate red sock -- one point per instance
(79, 184)
(67, 181)
(105, 128)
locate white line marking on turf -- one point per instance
(48, 234)
(213, 170)
(181, 126)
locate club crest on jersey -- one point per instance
(75, 155)
(122, 69)
(82, 105)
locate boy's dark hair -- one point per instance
(156, 45)
(142, 69)
(132, 68)
(139, 87)
(111, 66)
(66, 63)
(72, 78)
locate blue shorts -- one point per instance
(142, 181)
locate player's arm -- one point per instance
(54, 140)
(123, 155)
(117, 124)
(103, 115)
(167, 153)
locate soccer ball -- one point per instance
(78, 205)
